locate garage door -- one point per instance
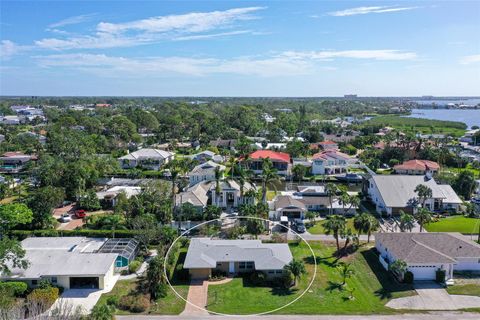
(84, 283)
(423, 272)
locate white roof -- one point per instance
(148, 154)
(64, 256)
(130, 191)
(399, 190)
(205, 253)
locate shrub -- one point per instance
(440, 276)
(134, 303)
(258, 278)
(43, 298)
(102, 312)
(287, 280)
(134, 266)
(16, 287)
(408, 277)
(113, 301)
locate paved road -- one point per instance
(423, 316)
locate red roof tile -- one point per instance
(417, 164)
(278, 156)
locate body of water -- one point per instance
(443, 103)
(471, 117)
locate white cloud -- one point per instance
(353, 54)
(9, 48)
(470, 59)
(71, 20)
(212, 35)
(367, 10)
(174, 27)
(283, 64)
(190, 22)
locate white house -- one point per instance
(151, 159)
(392, 193)
(331, 162)
(204, 172)
(425, 253)
(69, 262)
(207, 155)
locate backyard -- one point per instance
(454, 224)
(371, 287)
(318, 227)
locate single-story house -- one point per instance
(14, 162)
(417, 166)
(69, 262)
(331, 162)
(280, 160)
(108, 198)
(288, 206)
(392, 193)
(151, 159)
(207, 155)
(204, 172)
(328, 145)
(224, 144)
(425, 253)
(236, 256)
(126, 248)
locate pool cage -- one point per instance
(127, 250)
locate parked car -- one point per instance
(80, 214)
(299, 226)
(65, 218)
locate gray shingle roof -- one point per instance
(147, 153)
(207, 168)
(398, 190)
(287, 201)
(205, 253)
(432, 247)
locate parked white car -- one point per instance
(65, 218)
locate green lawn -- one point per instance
(465, 289)
(318, 227)
(373, 288)
(454, 224)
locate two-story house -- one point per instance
(151, 159)
(281, 161)
(331, 162)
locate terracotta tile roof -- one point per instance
(417, 164)
(331, 154)
(277, 156)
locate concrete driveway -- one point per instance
(81, 299)
(432, 296)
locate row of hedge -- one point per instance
(22, 234)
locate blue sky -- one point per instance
(240, 48)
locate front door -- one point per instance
(231, 267)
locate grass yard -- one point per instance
(465, 289)
(373, 287)
(318, 227)
(454, 224)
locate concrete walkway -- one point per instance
(197, 295)
(431, 296)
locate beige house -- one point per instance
(236, 256)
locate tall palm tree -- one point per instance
(297, 268)
(366, 223)
(354, 201)
(269, 175)
(176, 167)
(242, 177)
(423, 192)
(344, 200)
(423, 216)
(407, 222)
(333, 225)
(346, 271)
(218, 177)
(331, 191)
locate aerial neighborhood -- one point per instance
(104, 196)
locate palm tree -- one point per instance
(242, 177)
(423, 216)
(297, 269)
(407, 222)
(346, 271)
(366, 223)
(354, 201)
(333, 225)
(269, 175)
(331, 191)
(399, 267)
(218, 177)
(176, 167)
(423, 192)
(344, 200)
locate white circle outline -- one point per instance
(241, 315)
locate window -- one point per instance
(219, 264)
(53, 280)
(271, 271)
(249, 265)
(242, 265)
(34, 282)
(279, 271)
